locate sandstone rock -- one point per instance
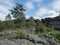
(16, 42)
(32, 39)
(21, 42)
(45, 40)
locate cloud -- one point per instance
(5, 5)
(27, 16)
(7, 2)
(44, 12)
(2, 16)
(37, 0)
(4, 9)
(56, 5)
(29, 5)
(41, 11)
(37, 17)
(53, 13)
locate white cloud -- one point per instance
(53, 13)
(37, 17)
(41, 11)
(7, 2)
(56, 5)
(5, 5)
(44, 12)
(29, 5)
(2, 16)
(27, 16)
(37, 0)
(4, 9)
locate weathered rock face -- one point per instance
(30, 40)
(9, 34)
(15, 42)
(55, 22)
(42, 41)
(45, 40)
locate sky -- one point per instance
(36, 8)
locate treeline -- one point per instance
(20, 21)
(16, 23)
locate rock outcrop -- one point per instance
(15, 42)
(42, 41)
(55, 22)
(45, 40)
(31, 39)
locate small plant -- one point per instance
(20, 34)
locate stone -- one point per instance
(32, 39)
(15, 42)
(45, 40)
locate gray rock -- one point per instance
(32, 39)
(45, 40)
(20, 42)
(9, 34)
(16, 42)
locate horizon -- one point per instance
(38, 9)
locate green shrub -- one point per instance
(51, 28)
(56, 36)
(40, 28)
(20, 34)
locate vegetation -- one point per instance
(20, 34)
(18, 11)
(56, 35)
(8, 17)
(20, 21)
(40, 29)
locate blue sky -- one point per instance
(36, 8)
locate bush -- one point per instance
(40, 29)
(20, 34)
(51, 28)
(56, 36)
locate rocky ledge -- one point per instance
(30, 40)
